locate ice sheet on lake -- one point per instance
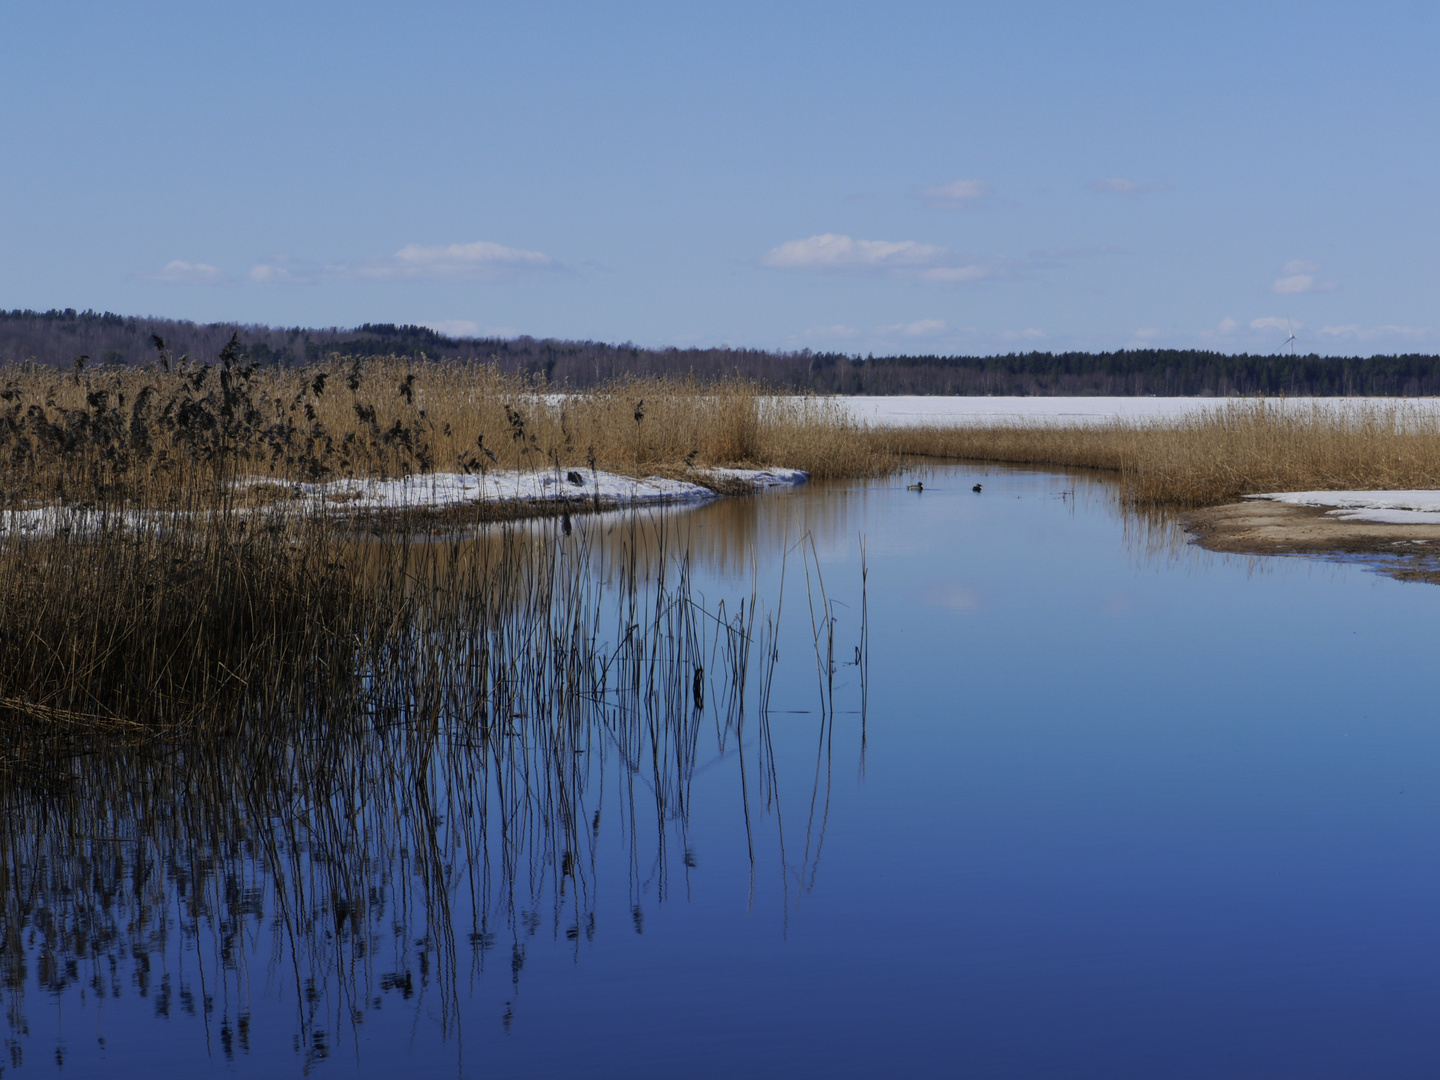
(907, 411)
(1381, 507)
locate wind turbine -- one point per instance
(1292, 338)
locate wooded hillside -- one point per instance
(59, 337)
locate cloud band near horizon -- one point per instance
(835, 253)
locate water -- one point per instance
(1105, 805)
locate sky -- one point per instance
(896, 177)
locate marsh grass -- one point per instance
(422, 786)
(177, 433)
(1244, 447)
(188, 588)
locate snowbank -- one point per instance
(1380, 507)
(432, 491)
(439, 490)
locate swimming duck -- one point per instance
(919, 485)
(975, 488)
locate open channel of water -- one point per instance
(1092, 803)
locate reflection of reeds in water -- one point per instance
(433, 778)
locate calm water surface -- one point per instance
(1105, 805)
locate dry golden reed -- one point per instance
(1240, 448)
(170, 596)
(173, 434)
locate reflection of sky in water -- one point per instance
(1124, 809)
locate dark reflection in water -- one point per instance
(1088, 802)
(394, 844)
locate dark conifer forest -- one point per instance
(61, 337)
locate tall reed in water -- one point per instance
(429, 787)
(142, 584)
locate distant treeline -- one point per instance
(60, 337)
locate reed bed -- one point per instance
(176, 432)
(227, 712)
(1245, 447)
(188, 595)
(429, 793)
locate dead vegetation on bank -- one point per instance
(196, 599)
(174, 433)
(1242, 448)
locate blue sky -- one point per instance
(862, 177)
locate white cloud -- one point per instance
(949, 594)
(1270, 322)
(921, 328)
(480, 260)
(954, 195)
(831, 252)
(1146, 333)
(1030, 334)
(1118, 185)
(278, 271)
(1295, 284)
(1227, 328)
(1298, 276)
(180, 272)
(1356, 332)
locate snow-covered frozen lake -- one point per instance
(903, 411)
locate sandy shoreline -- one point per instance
(1262, 527)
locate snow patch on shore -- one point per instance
(431, 491)
(759, 479)
(71, 520)
(1379, 507)
(440, 490)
